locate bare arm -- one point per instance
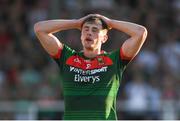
(138, 35)
(45, 29)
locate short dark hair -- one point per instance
(95, 19)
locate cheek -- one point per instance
(96, 36)
(82, 36)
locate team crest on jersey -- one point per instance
(98, 62)
(77, 60)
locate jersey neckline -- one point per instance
(81, 53)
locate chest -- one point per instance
(89, 71)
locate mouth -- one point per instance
(88, 39)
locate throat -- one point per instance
(92, 53)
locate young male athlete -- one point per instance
(90, 78)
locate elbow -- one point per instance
(37, 27)
(142, 32)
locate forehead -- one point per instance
(93, 25)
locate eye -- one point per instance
(94, 30)
(86, 28)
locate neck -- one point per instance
(91, 53)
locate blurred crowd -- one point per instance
(150, 86)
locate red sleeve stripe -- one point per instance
(57, 56)
(123, 56)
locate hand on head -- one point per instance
(105, 19)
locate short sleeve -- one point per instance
(62, 55)
(124, 59)
(120, 59)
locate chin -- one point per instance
(89, 48)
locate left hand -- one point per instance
(105, 19)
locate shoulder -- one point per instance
(66, 50)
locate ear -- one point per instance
(105, 38)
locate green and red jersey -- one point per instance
(90, 85)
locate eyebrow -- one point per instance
(86, 26)
(94, 28)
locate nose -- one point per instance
(89, 33)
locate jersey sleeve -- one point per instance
(62, 55)
(121, 60)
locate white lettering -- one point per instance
(71, 68)
(87, 75)
(91, 79)
(88, 72)
(76, 79)
(87, 66)
(97, 79)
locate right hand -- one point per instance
(81, 20)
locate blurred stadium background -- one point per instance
(29, 83)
